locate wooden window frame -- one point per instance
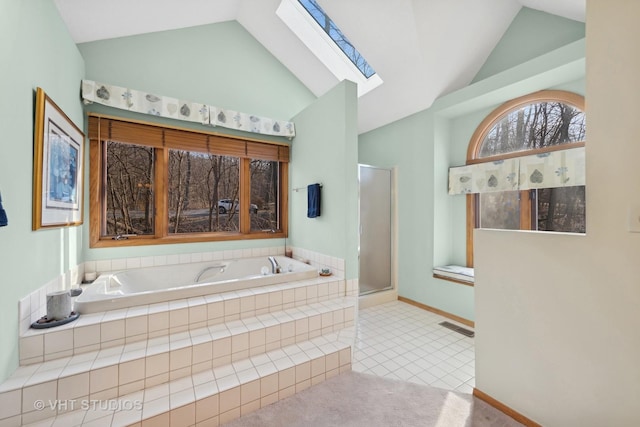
(163, 138)
(478, 137)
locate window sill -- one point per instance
(455, 273)
(107, 242)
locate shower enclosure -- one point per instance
(375, 250)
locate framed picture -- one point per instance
(58, 158)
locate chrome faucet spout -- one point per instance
(275, 267)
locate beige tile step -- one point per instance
(98, 331)
(121, 370)
(210, 397)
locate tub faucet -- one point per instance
(275, 267)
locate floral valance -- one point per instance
(564, 168)
(175, 108)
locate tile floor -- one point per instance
(398, 340)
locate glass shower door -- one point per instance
(375, 229)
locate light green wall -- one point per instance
(326, 151)
(219, 64)
(410, 146)
(462, 128)
(432, 224)
(531, 34)
(35, 51)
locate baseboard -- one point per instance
(505, 409)
(377, 298)
(459, 319)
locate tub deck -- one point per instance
(143, 286)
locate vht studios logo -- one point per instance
(73, 404)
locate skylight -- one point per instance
(307, 20)
(332, 30)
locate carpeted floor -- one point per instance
(361, 400)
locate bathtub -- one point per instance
(142, 286)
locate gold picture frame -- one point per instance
(58, 167)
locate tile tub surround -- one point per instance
(320, 261)
(115, 354)
(33, 306)
(96, 331)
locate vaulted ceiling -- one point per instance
(421, 49)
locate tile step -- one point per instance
(121, 370)
(98, 331)
(210, 397)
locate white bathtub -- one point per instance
(151, 285)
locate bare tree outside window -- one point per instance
(203, 191)
(561, 209)
(534, 126)
(129, 189)
(500, 210)
(197, 182)
(264, 193)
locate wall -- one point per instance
(560, 343)
(432, 224)
(409, 145)
(326, 152)
(531, 34)
(35, 51)
(219, 64)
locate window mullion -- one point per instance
(283, 203)
(525, 210)
(245, 195)
(472, 223)
(161, 188)
(97, 206)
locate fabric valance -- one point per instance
(563, 168)
(175, 108)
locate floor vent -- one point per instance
(456, 328)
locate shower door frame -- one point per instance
(392, 230)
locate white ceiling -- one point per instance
(421, 49)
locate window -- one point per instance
(332, 30)
(534, 124)
(128, 189)
(321, 35)
(265, 177)
(196, 180)
(154, 185)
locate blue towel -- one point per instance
(313, 200)
(3, 215)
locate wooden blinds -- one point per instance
(108, 129)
